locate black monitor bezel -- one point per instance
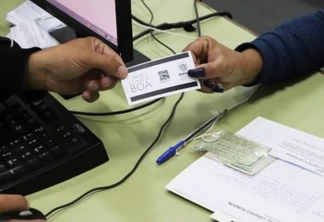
(124, 26)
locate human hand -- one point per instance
(9, 203)
(220, 68)
(84, 65)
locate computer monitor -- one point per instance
(108, 20)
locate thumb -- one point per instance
(205, 71)
(108, 64)
(13, 203)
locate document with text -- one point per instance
(282, 192)
(288, 144)
(28, 11)
(29, 34)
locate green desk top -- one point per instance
(5, 7)
(143, 196)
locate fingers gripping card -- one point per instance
(159, 78)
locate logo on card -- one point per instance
(183, 67)
(139, 83)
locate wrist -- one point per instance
(250, 64)
(34, 72)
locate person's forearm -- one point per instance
(250, 63)
(34, 74)
(293, 49)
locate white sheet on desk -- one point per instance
(288, 144)
(222, 217)
(282, 192)
(29, 34)
(24, 12)
(49, 23)
(29, 11)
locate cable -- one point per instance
(103, 188)
(151, 31)
(119, 112)
(150, 27)
(164, 125)
(167, 26)
(254, 89)
(163, 31)
(206, 134)
(197, 18)
(185, 36)
(160, 27)
(138, 107)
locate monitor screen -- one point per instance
(106, 19)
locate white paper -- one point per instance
(288, 144)
(29, 34)
(159, 78)
(49, 23)
(28, 11)
(282, 192)
(12, 18)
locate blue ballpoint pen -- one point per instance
(173, 149)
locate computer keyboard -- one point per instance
(42, 144)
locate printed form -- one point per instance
(282, 192)
(28, 11)
(288, 144)
(32, 26)
(29, 34)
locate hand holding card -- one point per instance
(159, 78)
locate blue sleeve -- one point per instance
(293, 49)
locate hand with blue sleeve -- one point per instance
(293, 49)
(220, 68)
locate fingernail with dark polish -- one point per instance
(209, 84)
(218, 89)
(197, 73)
(213, 86)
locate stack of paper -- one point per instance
(29, 34)
(32, 26)
(289, 189)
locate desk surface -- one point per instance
(143, 196)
